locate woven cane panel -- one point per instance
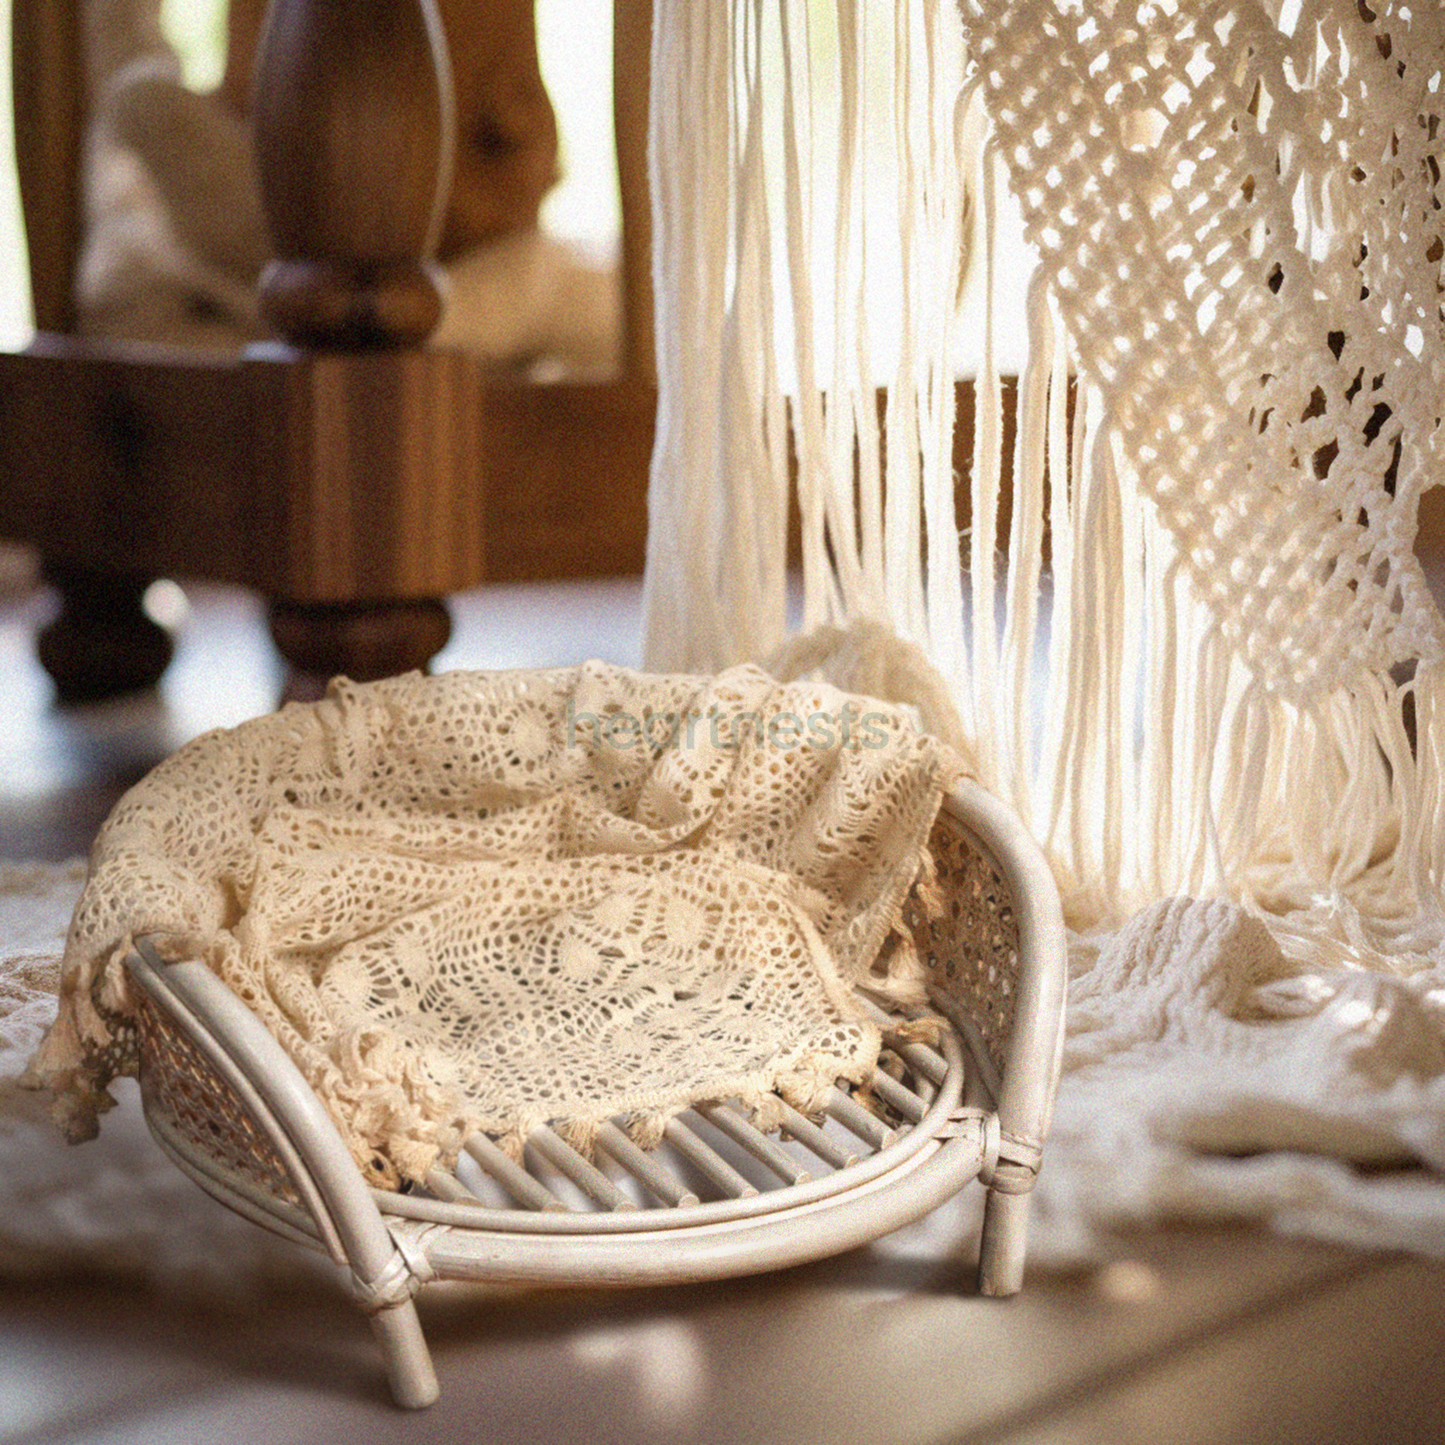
(180, 1084)
(120, 1054)
(971, 947)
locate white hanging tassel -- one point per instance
(1127, 679)
(1184, 675)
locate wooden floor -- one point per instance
(1215, 1336)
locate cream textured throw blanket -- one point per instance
(486, 901)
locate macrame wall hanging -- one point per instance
(1175, 599)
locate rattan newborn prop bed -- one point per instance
(575, 977)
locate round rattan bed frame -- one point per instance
(718, 1197)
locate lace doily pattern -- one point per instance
(1239, 210)
(491, 901)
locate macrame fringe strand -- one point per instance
(809, 247)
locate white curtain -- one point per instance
(1174, 597)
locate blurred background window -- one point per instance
(575, 45)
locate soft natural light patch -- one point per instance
(165, 604)
(574, 45)
(15, 319)
(1128, 1282)
(197, 29)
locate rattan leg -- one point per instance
(408, 1361)
(1001, 1254)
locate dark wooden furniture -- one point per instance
(350, 475)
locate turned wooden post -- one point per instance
(631, 84)
(355, 133)
(101, 643)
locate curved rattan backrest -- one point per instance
(47, 66)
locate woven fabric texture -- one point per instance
(1155, 291)
(492, 900)
(1243, 226)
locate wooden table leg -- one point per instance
(102, 643)
(355, 137)
(363, 641)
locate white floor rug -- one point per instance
(1232, 1087)
(117, 1205)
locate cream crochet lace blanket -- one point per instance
(1227, 1045)
(492, 900)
